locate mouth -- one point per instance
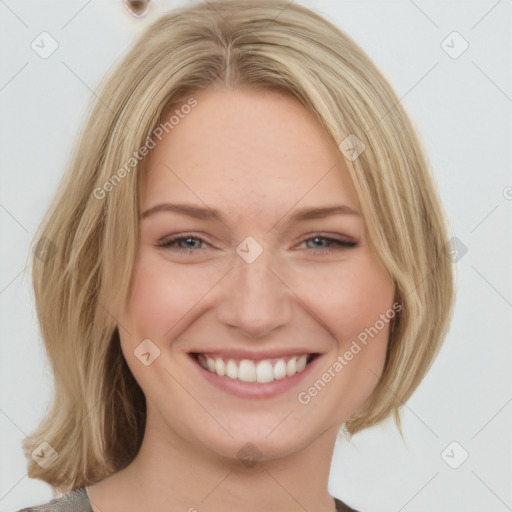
(254, 371)
(252, 376)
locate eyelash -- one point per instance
(342, 244)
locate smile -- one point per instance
(248, 370)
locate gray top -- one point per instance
(74, 501)
(78, 501)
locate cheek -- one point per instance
(162, 295)
(351, 302)
(163, 300)
(355, 303)
(350, 296)
(370, 295)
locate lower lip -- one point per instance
(255, 390)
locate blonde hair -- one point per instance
(87, 243)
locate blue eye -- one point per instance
(339, 244)
(190, 243)
(181, 238)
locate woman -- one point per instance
(246, 255)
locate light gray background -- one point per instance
(462, 107)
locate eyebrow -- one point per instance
(199, 212)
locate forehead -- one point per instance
(247, 149)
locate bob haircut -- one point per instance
(87, 243)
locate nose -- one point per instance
(256, 299)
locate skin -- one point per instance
(256, 156)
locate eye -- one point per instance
(328, 242)
(190, 243)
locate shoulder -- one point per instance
(341, 507)
(74, 501)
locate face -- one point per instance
(242, 279)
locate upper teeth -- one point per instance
(247, 370)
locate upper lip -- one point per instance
(255, 356)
